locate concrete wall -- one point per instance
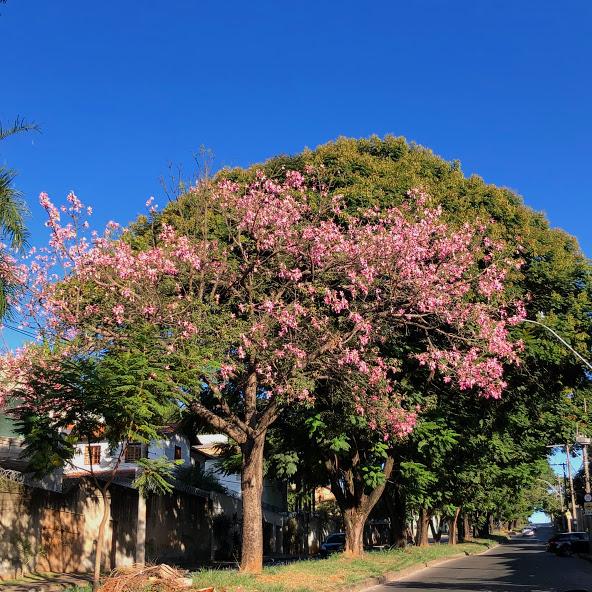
(60, 528)
(178, 528)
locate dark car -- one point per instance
(567, 543)
(334, 542)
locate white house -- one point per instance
(98, 457)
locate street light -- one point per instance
(584, 442)
(572, 514)
(569, 347)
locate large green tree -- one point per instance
(280, 289)
(554, 284)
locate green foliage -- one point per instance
(119, 398)
(334, 573)
(225, 535)
(196, 477)
(154, 476)
(25, 552)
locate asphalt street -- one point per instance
(521, 565)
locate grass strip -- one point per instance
(333, 573)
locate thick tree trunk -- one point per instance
(465, 534)
(252, 489)
(100, 537)
(354, 521)
(421, 539)
(395, 506)
(452, 527)
(355, 505)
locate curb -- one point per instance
(393, 576)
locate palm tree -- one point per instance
(13, 209)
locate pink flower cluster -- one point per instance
(287, 294)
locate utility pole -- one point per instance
(584, 441)
(571, 488)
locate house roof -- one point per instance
(127, 473)
(211, 439)
(208, 452)
(208, 444)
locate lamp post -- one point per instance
(568, 484)
(569, 347)
(571, 488)
(584, 442)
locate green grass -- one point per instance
(328, 575)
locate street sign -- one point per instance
(588, 508)
(588, 497)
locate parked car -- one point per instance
(334, 542)
(567, 543)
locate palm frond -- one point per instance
(13, 210)
(20, 125)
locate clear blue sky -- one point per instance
(123, 86)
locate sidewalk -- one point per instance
(58, 582)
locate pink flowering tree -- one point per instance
(281, 288)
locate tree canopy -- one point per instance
(366, 278)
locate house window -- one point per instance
(178, 454)
(92, 455)
(133, 453)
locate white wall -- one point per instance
(165, 447)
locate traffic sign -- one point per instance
(588, 497)
(588, 508)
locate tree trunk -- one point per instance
(452, 526)
(100, 537)
(354, 503)
(395, 506)
(436, 532)
(477, 530)
(421, 539)
(465, 537)
(252, 489)
(140, 532)
(354, 521)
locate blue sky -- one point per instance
(123, 87)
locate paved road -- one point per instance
(521, 565)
